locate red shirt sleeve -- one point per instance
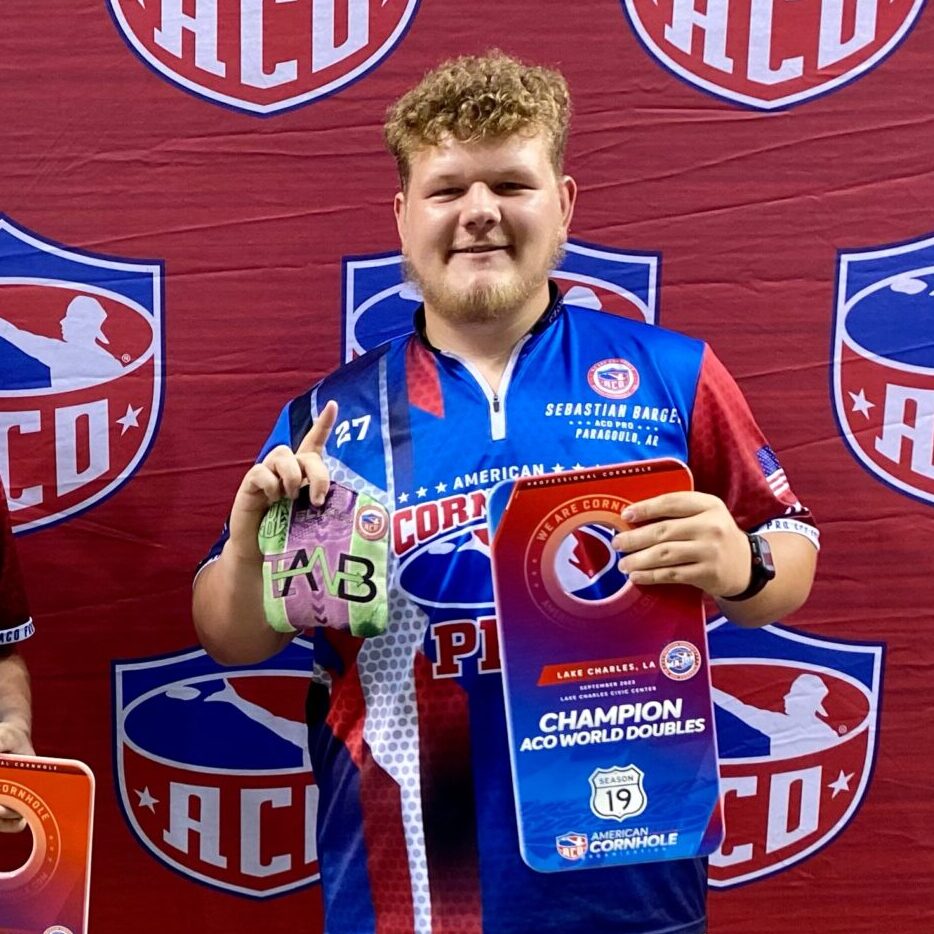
(730, 457)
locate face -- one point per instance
(482, 225)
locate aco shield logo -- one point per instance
(883, 362)
(262, 56)
(797, 725)
(212, 768)
(769, 54)
(81, 374)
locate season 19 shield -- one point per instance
(81, 374)
(769, 53)
(379, 304)
(263, 56)
(883, 362)
(797, 724)
(212, 768)
(617, 793)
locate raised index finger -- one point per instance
(314, 441)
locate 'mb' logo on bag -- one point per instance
(263, 56)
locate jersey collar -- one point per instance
(547, 317)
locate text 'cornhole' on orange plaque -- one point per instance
(49, 892)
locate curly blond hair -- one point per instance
(479, 97)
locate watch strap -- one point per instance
(761, 566)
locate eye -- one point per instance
(511, 186)
(446, 192)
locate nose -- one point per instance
(481, 209)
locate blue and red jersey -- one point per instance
(407, 732)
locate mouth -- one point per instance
(480, 249)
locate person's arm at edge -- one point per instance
(15, 722)
(15, 705)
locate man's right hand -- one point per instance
(227, 605)
(280, 473)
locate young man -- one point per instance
(15, 626)
(416, 823)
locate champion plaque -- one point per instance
(607, 684)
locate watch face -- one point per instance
(763, 556)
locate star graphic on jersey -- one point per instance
(146, 800)
(421, 491)
(842, 783)
(441, 488)
(403, 497)
(860, 403)
(578, 467)
(557, 468)
(130, 420)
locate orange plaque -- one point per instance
(49, 893)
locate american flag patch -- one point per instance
(772, 471)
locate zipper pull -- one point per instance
(495, 402)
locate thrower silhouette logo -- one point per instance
(797, 720)
(81, 374)
(212, 768)
(379, 304)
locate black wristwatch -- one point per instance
(763, 570)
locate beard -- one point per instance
(484, 303)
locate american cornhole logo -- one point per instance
(263, 56)
(81, 374)
(769, 54)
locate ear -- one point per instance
(567, 192)
(398, 208)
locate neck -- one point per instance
(486, 344)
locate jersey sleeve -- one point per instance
(15, 622)
(730, 458)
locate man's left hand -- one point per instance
(685, 538)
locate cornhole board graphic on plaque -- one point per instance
(49, 893)
(608, 705)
